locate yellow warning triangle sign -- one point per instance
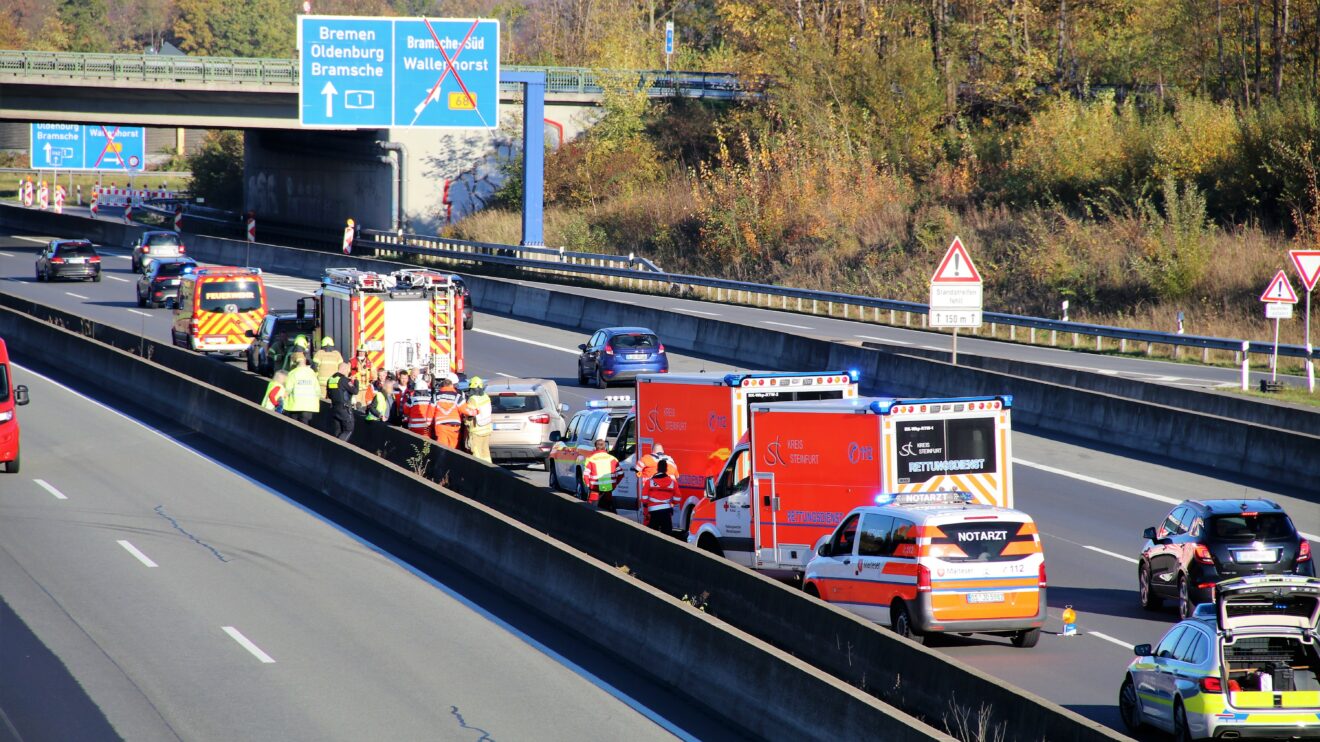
(957, 266)
(1280, 290)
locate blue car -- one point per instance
(620, 353)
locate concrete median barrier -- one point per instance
(761, 690)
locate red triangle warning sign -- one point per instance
(1307, 263)
(957, 266)
(1280, 290)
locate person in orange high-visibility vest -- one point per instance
(421, 411)
(658, 494)
(647, 465)
(600, 474)
(448, 412)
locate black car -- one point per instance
(155, 245)
(68, 259)
(1203, 542)
(467, 301)
(274, 338)
(161, 281)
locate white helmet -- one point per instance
(421, 386)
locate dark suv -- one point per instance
(1203, 542)
(68, 259)
(274, 339)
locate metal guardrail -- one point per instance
(284, 72)
(622, 270)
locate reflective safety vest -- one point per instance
(658, 493)
(649, 464)
(600, 470)
(420, 414)
(302, 391)
(448, 407)
(379, 408)
(327, 365)
(478, 408)
(274, 396)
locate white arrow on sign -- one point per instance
(432, 96)
(47, 148)
(329, 92)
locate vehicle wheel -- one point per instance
(811, 590)
(141, 302)
(600, 380)
(1128, 707)
(901, 622)
(467, 323)
(1149, 600)
(1181, 732)
(582, 378)
(1026, 639)
(1185, 606)
(687, 522)
(252, 367)
(11, 467)
(711, 544)
(581, 489)
(96, 278)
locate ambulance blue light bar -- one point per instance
(968, 404)
(796, 379)
(949, 497)
(610, 402)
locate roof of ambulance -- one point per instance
(946, 510)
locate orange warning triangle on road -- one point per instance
(957, 266)
(1280, 290)
(1307, 263)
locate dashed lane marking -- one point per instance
(247, 644)
(517, 339)
(47, 486)
(131, 549)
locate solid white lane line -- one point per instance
(1111, 640)
(8, 254)
(507, 376)
(144, 314)
(692, 311)
(784, 324)
(1106, 552)
(77, 296)
(131, 549)
(117, 278)
(30, 239)
(122, 257)
(1119, 487)
(46, 486)
(884, 340)
(247, 644)
(286, 288)
(523, 340)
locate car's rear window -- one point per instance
(163, 240)
(508, 402)
(76, 251)
(295, 325)
(171, 269)
(1251, 527)
(637, 340)
(979, 542)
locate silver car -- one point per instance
(526, 417)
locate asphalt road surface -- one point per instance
(1091, 504)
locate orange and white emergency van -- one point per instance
(700, 417)
(10, 397)
(935, 562)
(216, 307)
(411, 318)
(804, 465)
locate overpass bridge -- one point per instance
(320, 177)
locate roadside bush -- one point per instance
(217, 169)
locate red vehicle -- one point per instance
(700, 417)
(804, 465)
(10, 396)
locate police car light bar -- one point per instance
(610, 401)
(948, 497)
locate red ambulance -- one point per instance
(10, 397)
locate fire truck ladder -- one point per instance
(420, 278)
(352, 278)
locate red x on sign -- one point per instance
(449, 67)
(110, 147)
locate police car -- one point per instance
(611, 418)
(1244, 667)
(935, 562)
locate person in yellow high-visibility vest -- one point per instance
(600, 474)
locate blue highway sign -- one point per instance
(398, 72)
(88, 147)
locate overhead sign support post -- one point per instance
(1307, 263)
(955, 293)
(1279, 299)
(533, 153)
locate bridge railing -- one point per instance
(284, 72)
(638, 274)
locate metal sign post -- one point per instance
(955, 293)
(1307, 263)
(1279, 299)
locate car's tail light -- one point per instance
(661, 349)
(609, 351)
(94, 259)
(1304, 551)
(146, 250)
(57, 260)
(182, 249)
(923, 578)
(1040, 577)
(541, 419)
(1203, 554)
(1212, 684)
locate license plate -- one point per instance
(637, 356)
(506, 426)
(78, 260)
(1256, 555)
(985, 597)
